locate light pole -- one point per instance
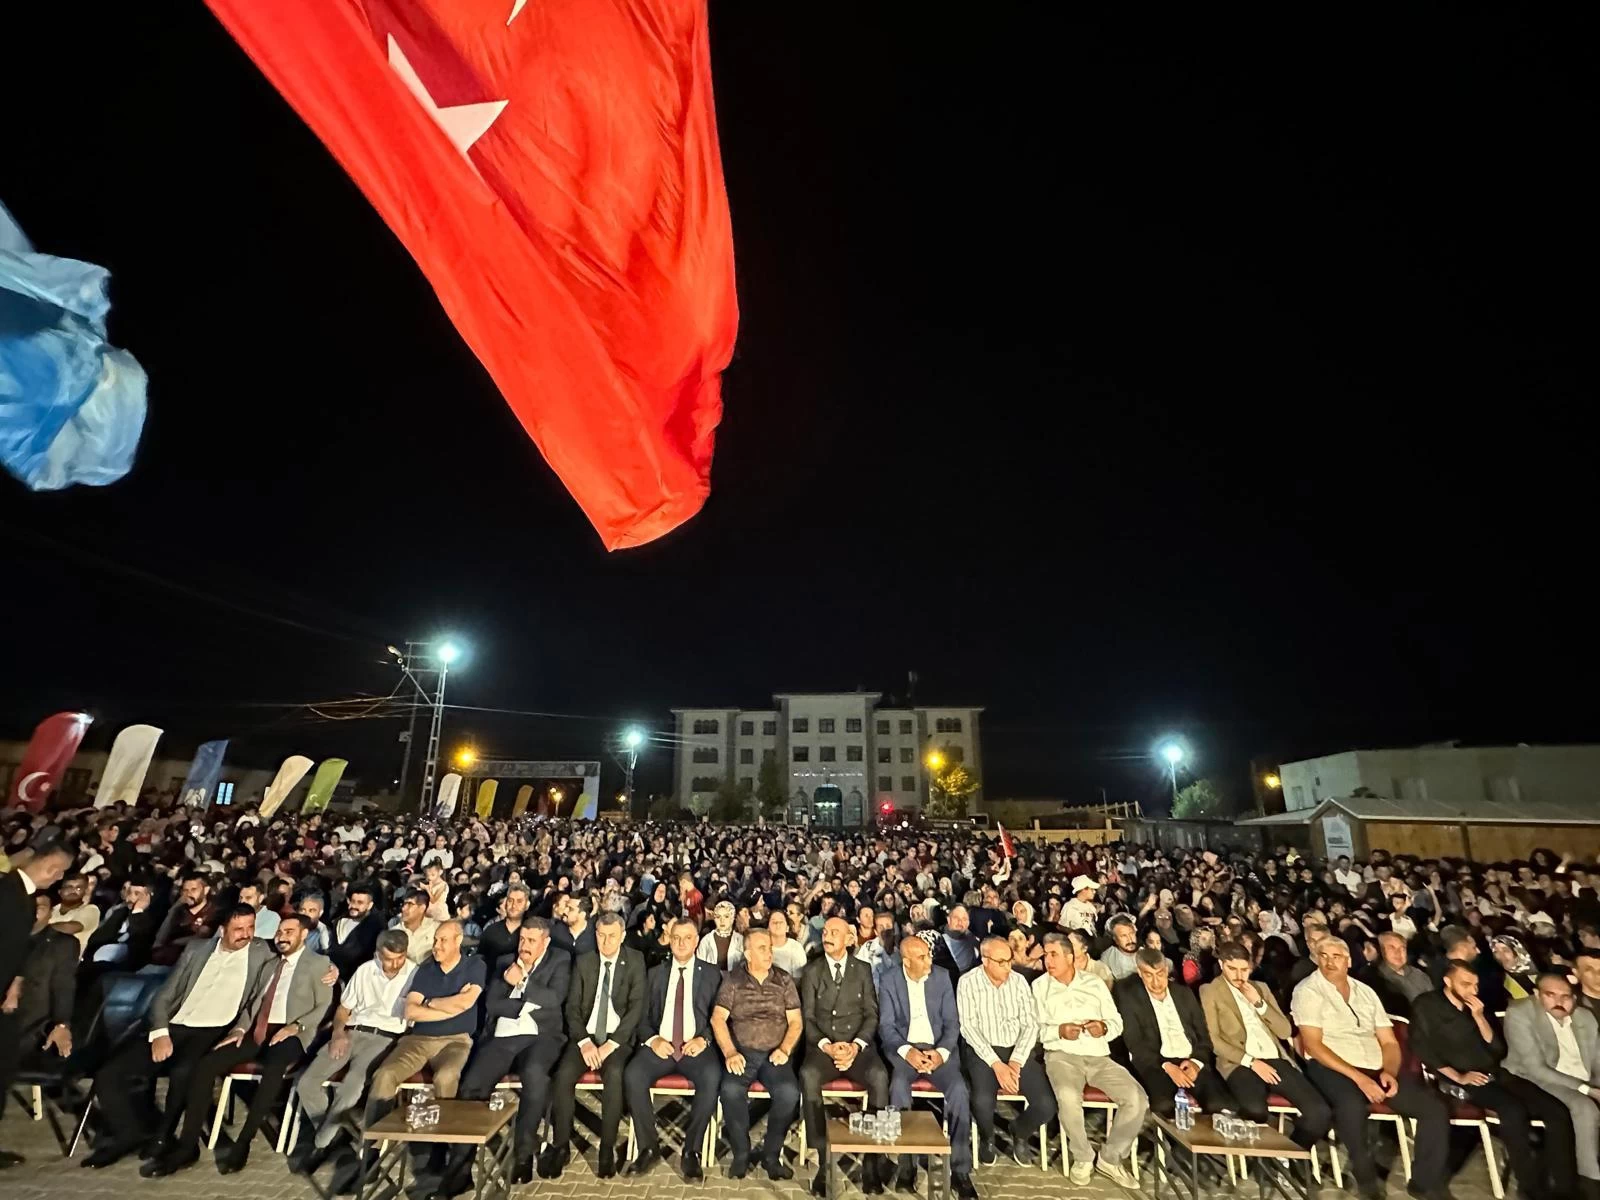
(632, 739)
(446, 653)
(935, 763)
(1173, 754)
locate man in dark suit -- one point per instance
(1167, 1038)
(676, 1035)
(281, 1018)
(353, 938)
(604, 1006)
(191, 1012)
(920, 1029)
(840, 1007)
(956, 949)
(122, 940)
(18, 890)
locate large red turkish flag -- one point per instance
(552, 166)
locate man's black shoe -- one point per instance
(691, 1168)
(170, 1164)
(308, 1157)
(905, 1179)
(156, 1147)
(963, 1187)
(559, 1157)
(776, 1168)
(233, 1161)
(648, 1157)
(738, 1168)
(346, 1173)
(872, 1176)
(819, 1182)
(522, 1169)
(607, 1166)
(105, 1156)
(1022, 1153)
(547, 1162)
(9, 1158)
(986, 1153)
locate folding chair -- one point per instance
(46, 1074)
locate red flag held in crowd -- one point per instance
(54, 742)
(552, 166)
(1007, 846)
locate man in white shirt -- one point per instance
(74, 914)
(418, 927)
(1348, 878)
(999, 1037)
(370, 1016)
(266, 919)
(1078, 1021)
(1354, 1060)
(1552, 1042)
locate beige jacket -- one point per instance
(1227, 1025)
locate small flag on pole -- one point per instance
(1007, 846)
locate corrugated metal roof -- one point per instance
(1378, 808)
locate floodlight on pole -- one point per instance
(633, 740)
(444, 653)
(1173, 754)
(1272, 781)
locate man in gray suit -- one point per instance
(1551, 1043)
(194, 1008)
(280, 1020)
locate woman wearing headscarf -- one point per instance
(1517, 963)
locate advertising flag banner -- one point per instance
(55, 740)
(553, 168)
(449, 788)
(524, 794)
(292, 771)
(126, 766)
(200, 788)
(486, 794)
(322, 785)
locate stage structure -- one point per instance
(583, 806)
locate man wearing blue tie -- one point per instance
(919, 1029)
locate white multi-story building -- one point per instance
(1455, 775)
(840, 757)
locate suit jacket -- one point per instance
(1141, 1033)
(358, 948)
(894, 1013)
(547, 987)
(309, 998)
(175, 990)
(49, 980)
(1531, 1049)
(141, 928)
(956, 953)
(1226, 1025)
(704, 982)
(16, 919)
(840, 1013)
(627, 996)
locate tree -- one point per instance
(1202, 798)
(732, 801)
(664, 808)
(769, 790)
(947, 798)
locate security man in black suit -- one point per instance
(676, 1035)
(604, 1007)
(1167, 1038)
(840, 1008)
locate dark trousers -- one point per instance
(1208, 1090)
(564, 1104)
(532, 1059)
(957, 1107)
(1251, 1091)
(781, 1088)
(816, 1069)
(704, 1070)
(273, 1065)
(986, 1092)
(1415, 1099)
(11, 1050)
(1517, 1101)
(125, 1083)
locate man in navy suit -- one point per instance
(920, 1031)
(676, 1034)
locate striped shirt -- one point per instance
(997, 1016)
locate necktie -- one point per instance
(258, 1034)
(677, 1018)
(603, 1033)
(838, 974)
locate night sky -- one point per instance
(1122, 373)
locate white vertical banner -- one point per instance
(449, 790)
(127, 765)
(292, 771)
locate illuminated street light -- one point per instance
(1272, 781)
(633, 738)
(448, 652)
(466, 756)
(935, 760)
(1173, 753)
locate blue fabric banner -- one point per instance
(200, 788)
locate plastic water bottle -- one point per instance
(1183, 1110)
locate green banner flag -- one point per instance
(322, 785)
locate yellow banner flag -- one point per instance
(486, 791)
(524, 794)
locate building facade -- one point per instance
(841, 756)
(1462, 777)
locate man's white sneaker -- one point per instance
(1117, 1173)
(1080, 1172)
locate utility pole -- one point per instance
(445, 655)
(409, 737)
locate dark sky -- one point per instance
(1119, 373)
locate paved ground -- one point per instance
(47, 1175)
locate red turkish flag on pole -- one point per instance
(552, 166)
(1007, 846)
(55, 740)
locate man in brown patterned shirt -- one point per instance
(757, 1025)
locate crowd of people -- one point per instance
(344, 954)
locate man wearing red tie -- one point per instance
(679, 995)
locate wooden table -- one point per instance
(920, 1133)
(1203, 1141)
(461, 1123)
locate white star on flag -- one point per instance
(463, 124)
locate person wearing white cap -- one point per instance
(1080, 912)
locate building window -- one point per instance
(824, 724)
(802, 754)
(826, 754)
(705, 783)
(905, 727)
(885, 754)
(905, 754)
(852, 724)
(747, 729)
(800, 725)
(224, 794)
(769, 729)
(747, 783)
(708, 726)
(908, 783)
(769, 755)
(852, 753)
(747, 757)
(947, 725)
(883, 728)
(1299, 794)
(705, 754)
(886, 783)
(954, 754)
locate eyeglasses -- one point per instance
(989, 958)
